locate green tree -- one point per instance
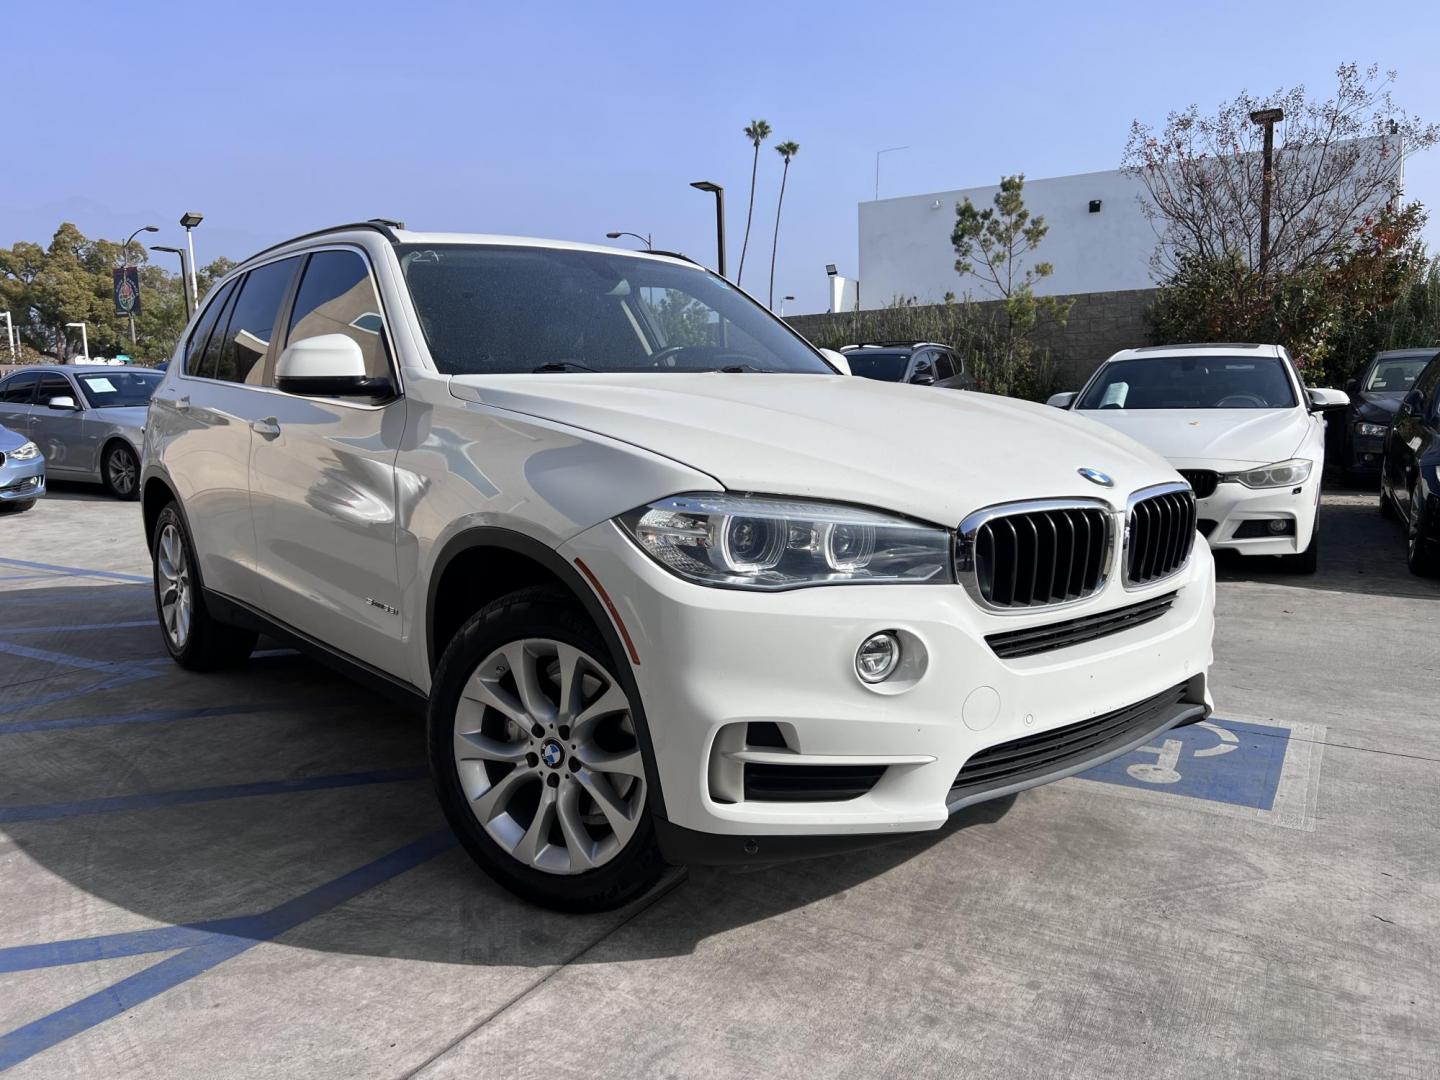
(757, 131)
(786, 150)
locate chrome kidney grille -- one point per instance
(1037, 554)
(1160, 533)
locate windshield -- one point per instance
(1191, 382)
(503, 309)
(1395, 376)
(871, 364)
(119, 388)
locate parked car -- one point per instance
(1374, 400)
(1410, 476)
(87, 420)
(924, 363)
(671, 589)
(1238, 424)
(22, 472)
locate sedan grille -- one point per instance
(1041, 639)
(1037, 555)
(1161, 533)
(1204, 481)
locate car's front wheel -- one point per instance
(120, 469)
(536, 756)
(1420, 554)
(194, 638)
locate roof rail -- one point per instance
(1203, 345)
(384, 226)
(906, 343)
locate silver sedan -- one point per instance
(87, 419)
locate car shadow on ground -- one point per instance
(70, 735)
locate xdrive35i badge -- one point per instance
(1095, 476)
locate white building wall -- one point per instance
(905, 246)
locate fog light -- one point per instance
(878, 657)
(1278, 526)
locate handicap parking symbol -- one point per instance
(1226, 761)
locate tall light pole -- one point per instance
(719, 193)
(9, 333)
(782, 304)
(184, 273)
(887, 150)
(84, 339)
(125, 265)
(643, 239)
(1266, 118)
(190, 219)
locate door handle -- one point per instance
(269, 428)
(182, 403)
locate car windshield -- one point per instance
(114, 389)
(493, 309)
(1395, 375)
(1191, 382)
(873, 364)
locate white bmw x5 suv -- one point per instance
(669, 586)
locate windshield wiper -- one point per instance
(562, 365)
(738, 369)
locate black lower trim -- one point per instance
(809, 783)
(238, 613)
(1034, 640)
(687, 847)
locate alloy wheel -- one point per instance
(172, 577)
(546, 751)
(120, 468)
(1414, 523)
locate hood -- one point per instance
(929, 453)
(11, 440)
(1200, 438)
(1376, 407)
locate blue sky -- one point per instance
(569, 120)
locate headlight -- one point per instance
(27, 452)
(768, 542)
(1370, 431)
(1281, 474)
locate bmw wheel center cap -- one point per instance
(552, 754)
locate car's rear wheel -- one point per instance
(536, 756)
(120, 469)
(194, 638)
(1420, 554)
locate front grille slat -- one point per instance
(1039, 557)
(1013, 644)
(1202, 481)
(1161, 534)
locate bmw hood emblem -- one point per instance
(1095, 476)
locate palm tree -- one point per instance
(757, 132)
(786, 150)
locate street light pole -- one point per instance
(184, 273)
(782, 304)
(84, 339)
(719, 193)
(643, 239)
(887, 150)
(1266, 118)
(125, 265)
(190, 219)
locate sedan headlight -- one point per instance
(27, 452)
(770, 542)
(1370, 431)
(1281, 474)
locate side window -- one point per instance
(19, 390)
(251, 326)
(924, 365)
(337, 297)
(195, 347)
(53, 386)
(944, 368)
(1428, 383)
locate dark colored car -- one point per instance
(1374, 400)
(1410, 476)
(924, 363)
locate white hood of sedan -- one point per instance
(930, 453)
(1202, 438)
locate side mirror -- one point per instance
(1321, 398)
(329, 365)
(1061, 401)
(1351, 385)
(837, 358)
(923, 377)
(63, 402)
(1411, 402)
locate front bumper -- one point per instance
(21, 481)
(712, 661)
(1223, 515)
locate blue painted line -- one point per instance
(30, 577)
(11, 631)
(123, 803)
(54, 697)
(65, 659)
(77, 571)
(154, 716)
(103, 947)
(242, 934)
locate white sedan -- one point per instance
(1238, 423)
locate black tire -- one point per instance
(120, 471)
(206, 644)
(17, 507)
(1420, 554)
(532, 613)
(1387, 508)
(1308, 560)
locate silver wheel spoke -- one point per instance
(497, 798)
(472, 745)
(572, 679)
(537, 836)
(527, 681)
(627, 762)
(612, 701)
(487, 692)
(610, 804)
(577, 840)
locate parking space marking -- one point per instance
(74, 571)
(1262, 770)
(65, 659)
(206, 945)
(11, 631)
(121, 803)
(56, 696)
(154, 716)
